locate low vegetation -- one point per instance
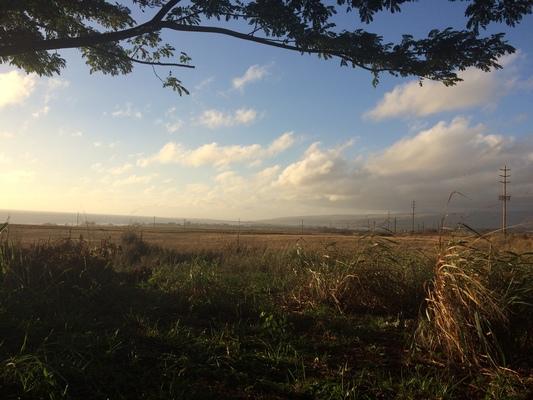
(131, 320)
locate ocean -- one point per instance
(72, 219)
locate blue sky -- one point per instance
(266, 133)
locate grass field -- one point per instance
(198, 240)
(168, 314)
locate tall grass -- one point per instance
(379, 277)
(479, 307)
(130, 320)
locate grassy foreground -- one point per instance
(135, 321)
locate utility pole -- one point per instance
(302, 226)
(154, 222)
(413, 205)
(239, 234)
(388, 221)
(394, 224)
(504, 197)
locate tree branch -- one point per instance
(25, 46)
(164, 10)
(248, 37)
(135, 60)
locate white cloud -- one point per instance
(215, 119)
(100, 144)
(205, 83)
(127, 111)
(15, 87)
(40, 112)
(244, 116)
(53, 85)
(477, 89)
(173, 126)
(254, 73)
(428, 166)
(120, 169)
(282, 143)
(215, 154)
(133, 180)
(315, 166)
(57, 83)
(440, 150)
(77, 134)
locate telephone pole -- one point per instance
(504, 197)
(413, 205)
(239, 233)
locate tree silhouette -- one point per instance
(112, 41)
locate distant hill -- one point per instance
(482, 220)
(523, 220)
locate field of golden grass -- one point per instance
(214, 239)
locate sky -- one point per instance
(269, 133)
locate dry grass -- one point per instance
(198, 240)
(473, 303)
(132, 320)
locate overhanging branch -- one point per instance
(163, 64)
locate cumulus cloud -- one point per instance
(15, 87)
(427, 166)
(215, 119)
(442, 150)
(478, 88)
(215, 154)
(254, 73)
(244, 116)
(281, 144)
(315, 166)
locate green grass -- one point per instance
(134, 321)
